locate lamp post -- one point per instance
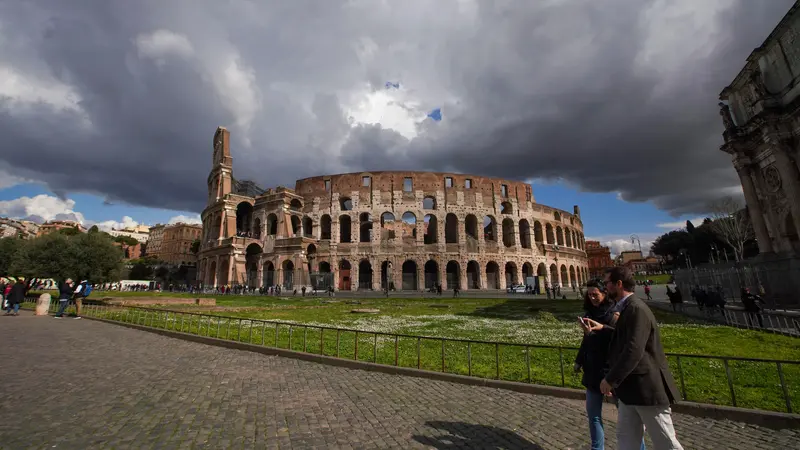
(635, 240)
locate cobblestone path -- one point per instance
(81, 384)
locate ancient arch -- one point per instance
(527, 272)
(345, 229)
(524, 233)
(272, 224)
(287, 272)
(565, 281)
(538, 236)
(506, 208)
(453, 273)
(471, 227)
(573, 276)
(431, 229)
(492, 275)
(386, 275)
(211, 279)
(429, 202)
(345, 282)
(451, 229)
(365, 275)
(364, 229)
(508, 233)
(296, 226)
(559, 236)
(489, 229)
(410, 275)
(568, 238)
(269, 274)
(553, 275)
(431, 270)
(551, 239)
(473, 275)
(252, 257)
(512, 277)
(387, 226)
(244, 218)
(409, 226)
(325, 227)
(308, 227)
(223, 272)
(295, 205)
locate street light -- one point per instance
(635, 239)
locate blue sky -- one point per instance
(642, 219)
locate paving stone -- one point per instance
(90, 385)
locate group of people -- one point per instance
(13, 294)
(621, 357)
(70, 291)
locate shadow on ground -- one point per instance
(467, 435)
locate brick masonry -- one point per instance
(80, 384)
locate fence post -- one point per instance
(321, 342)
(355, 352)
(338, 332)
(785, 390)
(375, 348)
(396, 350)
(442, 355)
(263, 331)
(730, 381)
(305, 335)
(469, 358)
(528, 361)
(680, 375)
(497, 360)
(561, 361)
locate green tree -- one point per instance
(60, 255)
(9, 249)
(140, 271)
(671, 244)
(195, 246)
(127, 240)
(162, 273)
(94, 229)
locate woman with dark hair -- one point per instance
(593, 355)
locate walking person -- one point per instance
(15, 297)
(593, 356)
(65, 292)
(752, 307)
(638, 375)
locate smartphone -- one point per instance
(582, 320)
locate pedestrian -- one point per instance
(592, 356)
(65, 292)
(638, 374)
(752, 307)
(15, 297)
(3, 285)
(647, 292)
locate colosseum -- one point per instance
(378, 230)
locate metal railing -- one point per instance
(785, 323)
(733, 381)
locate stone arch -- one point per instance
(324, 267)
(257, 228)
(559, 236)
(325, 225)
(471, 227)
(431, 270)
(272, 224)
(553, 275)
(451, 230)
(492, 275)
(431, 229)
(386, 275)
(409, 226)
(409, 271)
(564, 276)
(506, 208)
(512, 277)
(388, 226)
(287, 272)
(345, 229)
(541, 270)
(573, 278)
(453, 274)
(473, 275)
(527, 272)
(308, 227)
(429, 202)
(217, 229)
(269, 274)
(568, 238)
(551, 238)
(211, 279)
(538, 236)
(297, 228)
(252, 256)
(295, 205)
(244, 218)
(557, 216)
(525, 233)
(345, 204)
(489, 229)
(345, 282)
(365, 275)
(364, 231)
(223, 272)
(508, 232)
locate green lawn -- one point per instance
(657, 279)
(520, 324)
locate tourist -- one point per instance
(65, 292)
(647, 292)
(752, 307)
(15, 297)
(638, 374)
(3, 285)
(593, 356)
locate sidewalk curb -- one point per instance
(767, 419)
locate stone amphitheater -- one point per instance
(373, 230)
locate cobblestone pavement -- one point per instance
(81, 384)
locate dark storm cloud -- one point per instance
(122, 98)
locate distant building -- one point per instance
(140, 232)
(155, 240)
(18, 228)
(173, 243)
(651, 264)
(56, 225)
(599, 258)
(131, 251)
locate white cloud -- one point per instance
(26, 89)
(108, 225)
(619, 243)
(697, 221)
(43, 207)
(186, 219)
(160, 44)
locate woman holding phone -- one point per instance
(593, 355)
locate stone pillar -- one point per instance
(462, 276)
(259, 274)
(501, 273)
(443, 276)
(789, 178)
(43, 305)
(754, 207)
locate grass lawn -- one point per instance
(521, 324)
(657, 279)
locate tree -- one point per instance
(195, 246)
(9, 248)
(140, 271)
(127, 240)
(94, 229)
(731, 223)
(670, 245)
(689, 227)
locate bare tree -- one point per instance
(731, 222)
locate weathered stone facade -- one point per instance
(762, 134)
(407, 230)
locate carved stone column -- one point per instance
(744, 169)
(789, 177)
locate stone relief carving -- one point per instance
(772, 179)
(757, 85)
(727, 118)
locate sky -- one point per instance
(108, 107)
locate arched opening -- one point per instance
(345, 204)
(508, 232)
(453, 273)
(269, 274)
(489, 229)
(409, 276)
(296, 227)
(287, 270)
(573, 279)
(257, 229)
(409, 227)
(311, 256)
(323, 279)
(295, 205)
(512, 277)
(211, 278)
(559, 236)
(506, 208)
(244, 219)
(524, 234)
(386, 275)
(429, 203)
(325, 227)
(431, 229)
(223, 273)
(473, 275)
(451, 229)
(431, 274)
(364, 228)
(565, 281)
(553, 275)
(557, 216)
(345, 282)
(527, 273)
(217, 228)
(345, 229)
(538, 236)
(365, 275)
(471, 228)
(324, 267)
(252, 256)
(272, 224)
(541, 270)
(308, 227)
(387, 226)
(568, 238)
(551, 238)
(492, 275)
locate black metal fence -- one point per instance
(785, 323)
(745, 382)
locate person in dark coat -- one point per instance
(15, 297)
(751, 306)
(638, 374)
